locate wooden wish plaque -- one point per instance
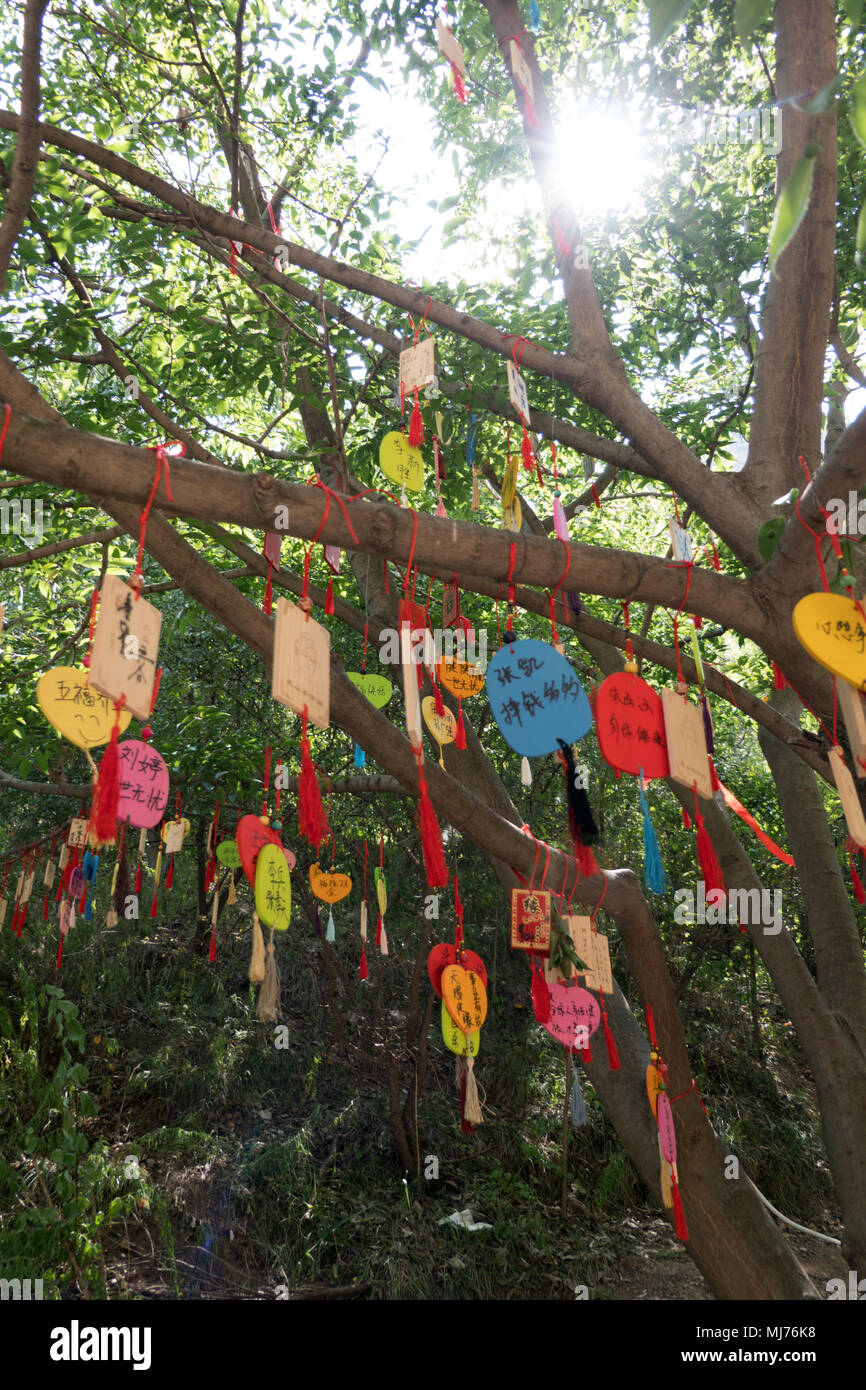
(854, 715)
(848, 795)
(302, 664)
(687, 743)
(530, 920)
(418, 365)
(125, 647)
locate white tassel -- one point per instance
(525, 773)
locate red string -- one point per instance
(689, 566)
(5, 428)
(161, 462)
(599, 903)
(817, 539)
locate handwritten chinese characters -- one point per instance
(530, 920)
(302, 664)
(125, 646)
(461, 678)
(79, 713)
(143, 784)
(832, 630)
(687, 743)
(536, 698)
(273, 888)
(464, 996)
(574, 1015)
(630, 724)
(400, 462)
(329, 887)
(377, 689)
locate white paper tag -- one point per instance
(681, 542)
(517, 391)
(417, 365)
(520, 68)
(449, 47)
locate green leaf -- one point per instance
(854, 9)
(820, 102)
(858, 109)
(769, 536)
(792, 204)
(748, 14)
(665, 15)
(860, 238)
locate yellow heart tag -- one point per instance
(443, 727)
(400, 462)
(80, 714)
(833, 632)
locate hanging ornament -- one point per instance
(454, 1037)
(847, 790)
(442, 725)
(125, 646)
(453, 53)
(329, 887)
(417, 370)
(79, 713)
(854, 716)
(144, 783)
(530, 920)
(228, 854)
(252, 837)
(401, 462)
(375, 687)
(668, 1139)
(832, 629)
(630, 725)
(574, 1016)
(302, 662)
(686, 741)
(536, 698)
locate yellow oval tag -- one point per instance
(273, 888)
(512, 517)
(443, 727)
(381, 890)
(464, 996)
(80, 714)
(400, 462)
(833, 632)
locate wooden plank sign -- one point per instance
(521, 69)
(410, 687)
(681, 542)
(848, 795)
(450, 602)
(79, 713)
(854, 714)
(449, 47)
(125, 646)
(418, 365)
(77, 833)
(174, 832)
(273, 888)
(594, 950)
(687, 743)
(832, 631)
(530, 920)
(302, 664)
(517, 393)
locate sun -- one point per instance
(601, 160)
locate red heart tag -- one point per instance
(252, 836)
(446, 954)
(630, 725)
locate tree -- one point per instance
(216, 330)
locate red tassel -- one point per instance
(103, 814)
(431, 836)
(526, 452)
(711, 871)
(586, 860)
(59, 961)
(269, 594)
(416, 425)
(698, 621)
(540, 996)
(460, 736)
(45, 906)
(212, 952)
(714, 777)
(379, 930)
(14, 923)
(364, 971)
(312, 821)
(438, 701)
(779, 681)
(329, 596)
(680, 1226)
(687, 825)
(169, 878)
(586, 1054)
(138, 877)
(153, 903)
(610, 1042)
(857, 882)
(459, 85)
(22, 919)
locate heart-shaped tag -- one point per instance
(273, 887)
(464, 996)
(174, 832)
(461, 678)
(630, 724)
(227, 853)
(77, 712)
(574, 1015)
(378, 689)
(446, 954)
(252, 836)
(833, 632)
(455, 1039)
(400, 462)
(443, 727)
(143, 784)
(329, 887)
